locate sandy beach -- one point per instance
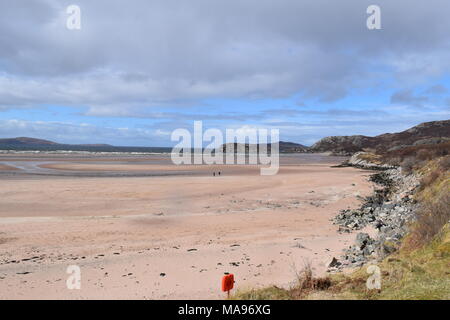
(139, 227)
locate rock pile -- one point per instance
(389, 210)
(357, 161)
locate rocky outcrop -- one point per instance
(365, 160)
(426, 133)
(283, 147)
(291, 147)
(343, 145)
(389, 210)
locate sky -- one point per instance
(136, 70)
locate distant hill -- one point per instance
(283, 147)
(25, 141)
(292, 147)
(425, 133)
(32, 144)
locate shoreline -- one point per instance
(389, 210)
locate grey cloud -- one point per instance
(323, 113)
(281, 112)
(163, 52)
(408, 97)
(437, 89)
(121, 111)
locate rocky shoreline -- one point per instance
(389, 210)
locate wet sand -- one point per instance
(4, 167)
(167, 237)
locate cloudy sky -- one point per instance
(138, 69)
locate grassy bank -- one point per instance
(420, 274)
(420, 267)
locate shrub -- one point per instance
(408, 164)
(431, 218)
(444, 163)
(423, 154)
(307, 283)
(429, 179)
(416, 154)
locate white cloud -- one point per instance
(65, 132)
(146, 54)
(136, 59)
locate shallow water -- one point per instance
(32, 164)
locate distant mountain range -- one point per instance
(25, 141)
(426, 133)
(283, 147)
(32, 144)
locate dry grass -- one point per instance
(414, 157)
(428, 179)
(408, 164)
(431, 218)
(422, 274)
(370, 157)
(420, 269)
(434, 170)
(305, 285)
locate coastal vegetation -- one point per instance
(418, 266)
